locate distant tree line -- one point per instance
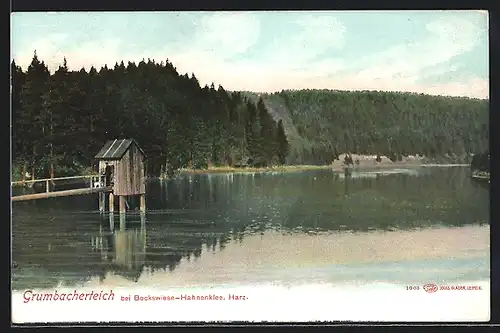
(329, 123)
(61, 120)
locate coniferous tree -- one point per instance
(19, 149)
(63, 119)
(33, 119)
(283, 145)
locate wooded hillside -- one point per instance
(63, 119)
(66, 117)
(324, 123)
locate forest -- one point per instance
(60, 120)
(324, 123)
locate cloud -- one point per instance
(284, 59)
(403, 67)
(97, 52)
(47, 49)
(226, 34)
(293, 63)
(236, 50)
(408, 65)
(310, 38)
(447, 39)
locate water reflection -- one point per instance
(123, 248)
(128, 249)
(66, 239)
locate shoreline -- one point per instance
(366, 163)
(229, 169)
(336, 167)
(482, 176)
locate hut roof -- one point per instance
(115, 149)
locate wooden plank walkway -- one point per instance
(92, 179)
(80, 191)
(27, 181)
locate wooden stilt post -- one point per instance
(143, 202)
(23, 176)
(47, 186)
(111, 202)
(111, 221)
(143, 234)
(123, 207)
(101, 202)
(104, 202)
(122, 221)
(143, 220)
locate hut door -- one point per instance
(112, 178)
(109, 173)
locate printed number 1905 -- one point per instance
(412, 287)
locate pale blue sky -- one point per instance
(436, 52)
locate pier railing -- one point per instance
(93, 180)
(92, 188)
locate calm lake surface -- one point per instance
(418, 226)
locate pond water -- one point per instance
(402, 227)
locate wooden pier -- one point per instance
(47, 181)
(124, 158)
(79, 191)
(92, 179)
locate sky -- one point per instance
(430, 52)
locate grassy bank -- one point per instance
(229, 169)
(294, 168)
(481, 175)
(365, 163)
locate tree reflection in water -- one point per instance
(66, 239)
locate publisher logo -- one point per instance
(430, 288)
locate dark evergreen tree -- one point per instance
(283, 145)
(61, 120)
(32, 120)
(19, 145)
